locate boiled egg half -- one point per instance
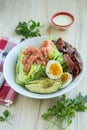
(54, 69)
(66, 79)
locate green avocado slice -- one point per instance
(44, 86)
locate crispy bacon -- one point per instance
(70, 56)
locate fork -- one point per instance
(2, 79)
(9, 46)
(6, 50)
(3, 55)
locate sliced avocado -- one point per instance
(44, 86)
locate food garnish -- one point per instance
(5, 115)
(28, 29)
(62, 113)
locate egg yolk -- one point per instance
(55, 69)
(64, 78)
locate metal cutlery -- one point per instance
(3, 55)
(2, 79)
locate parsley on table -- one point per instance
(28, 29)
(64, 110)
(5, 115)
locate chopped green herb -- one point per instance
(28, 29)
(5, 115)
(64, 110)
(2, 118)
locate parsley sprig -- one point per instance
(5, 115)
(28, 29)
(64, 110)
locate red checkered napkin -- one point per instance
(7, 94)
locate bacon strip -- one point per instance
(70, 56)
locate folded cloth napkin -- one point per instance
(7, 94)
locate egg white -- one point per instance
(50, 75)
(68, 81)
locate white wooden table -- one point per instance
(26, 111)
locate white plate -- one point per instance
(9, 71)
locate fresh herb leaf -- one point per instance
(2, 118)
(28, 29)
(64, 110)
(5, 115)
